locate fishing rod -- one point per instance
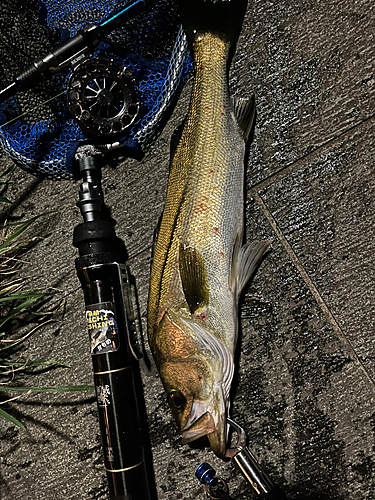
(73, 51)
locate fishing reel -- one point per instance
(103, 97)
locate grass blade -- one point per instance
(14, 421)
(27, 222)
(20, 296)
(62, 388)
(22, 226)
(38, 363)
(18, 309)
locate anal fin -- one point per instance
(245, 261)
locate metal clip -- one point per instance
(246, 462)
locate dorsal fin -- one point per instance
(245, 260)
(245, 112)
(193, 277)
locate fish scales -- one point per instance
(205, 190)
(199, 266)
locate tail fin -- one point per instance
(223, 17)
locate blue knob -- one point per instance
(205, 474)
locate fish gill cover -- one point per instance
(36, 128)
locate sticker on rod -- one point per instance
(102, 327)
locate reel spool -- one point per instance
(103, 97)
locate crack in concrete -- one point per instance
(352, 131)
(311, 286)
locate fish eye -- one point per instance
(177, 399)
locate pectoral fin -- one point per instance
(245, 260)
(209, 341)
(193, 277)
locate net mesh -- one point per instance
(37, 131)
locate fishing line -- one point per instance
(34, 109)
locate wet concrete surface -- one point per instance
(304, 388)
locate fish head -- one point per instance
(194, 377)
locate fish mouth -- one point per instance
(206, 426)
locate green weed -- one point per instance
(19, 308)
